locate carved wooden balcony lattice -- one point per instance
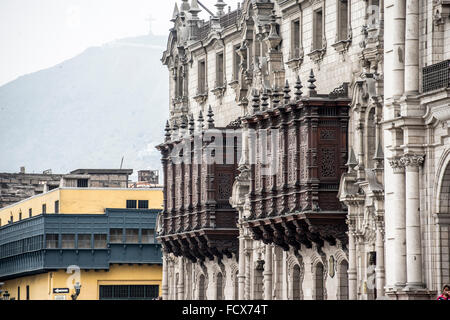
(198, 220)
(294, 190)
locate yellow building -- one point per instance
(101, 239)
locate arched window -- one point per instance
(343, 280)
(296, 283)
(318, 282)
(201, 288)
(219, 286)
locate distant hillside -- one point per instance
(89, 111)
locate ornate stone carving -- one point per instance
(397, 165)
(412, 160)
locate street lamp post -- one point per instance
(6, 295)
(77, 288)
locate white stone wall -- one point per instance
(335, 68)
(282, 284)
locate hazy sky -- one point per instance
(38, 34)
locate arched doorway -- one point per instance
(318, 282)
(201, 288)
(296, 285)
(343, 280)
(444, 192)
(219, 286)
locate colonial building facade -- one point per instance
(333, 180)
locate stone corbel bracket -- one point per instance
(201, 98)
(296, 59)
(342, 45)
(317, 55)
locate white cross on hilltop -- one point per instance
(150, 20)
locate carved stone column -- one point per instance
(413, 235)
(165, 279)
(242, 270)
(398, 43)
(352, 282)
(180, 285)
(248, 263)
(268, 273)
(412, 47)
(398, 260)
(379, 270)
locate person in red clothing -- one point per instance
(445, 293)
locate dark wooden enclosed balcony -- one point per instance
(300, 151)
(436, 76)
(198, 221)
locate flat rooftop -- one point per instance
(103, 171)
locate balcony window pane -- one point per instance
(68, 241)
(132, 236)
(115, 235)
(100, 241)
(84, 241)
(148, 236)
(51, 241)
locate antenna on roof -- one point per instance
(203, 6)
(121, 163)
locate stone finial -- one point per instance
(185, 6)
(176, 12)
(312, 79)
(210, 118)
(255, 100)
(275, 97)
(298, 89)
(200, 121)
(352, 163)
(195, 9)
(264, 98)
(191, 124)
(273, 38)
(167, 129)
(220, 5)
(286, 91)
